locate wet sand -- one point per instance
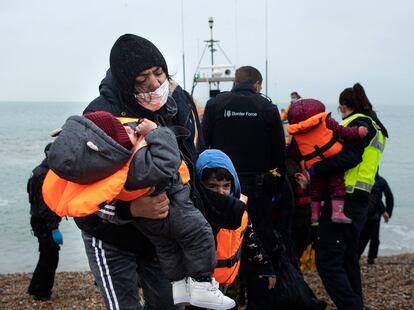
(389, 284)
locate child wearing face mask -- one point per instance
(96, 163)
(317, 136)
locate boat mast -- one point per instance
(213, 74)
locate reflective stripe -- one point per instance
(360, 185)
(377, 144)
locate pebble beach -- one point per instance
(389, 284)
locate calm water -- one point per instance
(24, 131)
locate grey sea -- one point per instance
(25, 129)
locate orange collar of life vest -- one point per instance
(307, 124)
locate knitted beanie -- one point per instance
(130, 55)
(111, 126)
(303, 109)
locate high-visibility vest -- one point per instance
(229, 244)
(315, 141)
(362, 177)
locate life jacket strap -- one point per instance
(320, 150)
(229, 262)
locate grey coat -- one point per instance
(83, 153)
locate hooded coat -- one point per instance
(252, 249)
(183, 240)
(117, 98)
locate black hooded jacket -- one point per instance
(376, 205)
(180, 115)
(176, 113)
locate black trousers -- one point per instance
(370, 234)
(337, 255)
(302, 228)
(261, 212)
(44, 275)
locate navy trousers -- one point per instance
(337, 254)
(370, 234)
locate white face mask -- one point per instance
(153, 101)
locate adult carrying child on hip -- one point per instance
(316, 135)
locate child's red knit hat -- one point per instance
(111, 126)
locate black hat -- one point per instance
(131, 55)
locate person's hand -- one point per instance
(386, 216)
(151, 207)
(362, 131)
(57, 236)
(302, 180)
(271, 280)
(145, 127)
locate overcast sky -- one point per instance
(59, 50)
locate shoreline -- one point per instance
(389, 284)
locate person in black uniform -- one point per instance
(376, 210)
(246, 125)
(45, 226)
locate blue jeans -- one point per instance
(118, 272)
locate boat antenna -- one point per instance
(213, 74)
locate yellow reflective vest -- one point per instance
(362, 176)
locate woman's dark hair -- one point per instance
(295, 93)
(356, 99)
(219, 174)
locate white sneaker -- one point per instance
(208, 295)
(181, 292)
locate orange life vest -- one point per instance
(229, 244)
(315, 141)
(67, 198)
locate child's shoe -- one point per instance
(338, 215)
(207, 295)
(181, 292)
(316, 211)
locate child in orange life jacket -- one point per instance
(88, 147)
(217, 173)
(316, 136)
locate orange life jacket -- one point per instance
(183, 169)
(315, 141)
(229, 244)
(67, 198)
